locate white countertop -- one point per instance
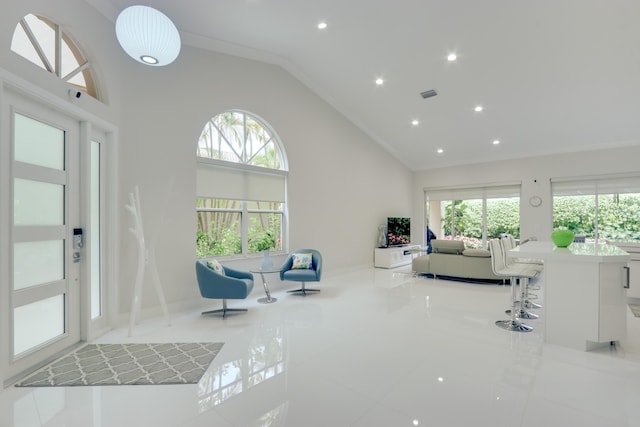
(576, 252)
(631, 247)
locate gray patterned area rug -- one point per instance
(127, 364)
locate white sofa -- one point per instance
(450, 258)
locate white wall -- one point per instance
(339, 185)
(534, 173)
(342, 185)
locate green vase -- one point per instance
(562, 238)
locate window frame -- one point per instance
(244, 213)
(596, 187)
(243, 158)
(61, 38)
(482, 192)
(254, 174)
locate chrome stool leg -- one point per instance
(522, 313)
(513, 324)
(527, 300)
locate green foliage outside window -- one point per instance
(208, 245)
(467, 220)
(503, 216)
(618, 218)
(264, 236)
(219, 225)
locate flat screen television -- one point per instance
(398, 231)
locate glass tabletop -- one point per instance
(273, 270)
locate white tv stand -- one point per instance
(394, 257)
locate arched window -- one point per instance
(43, 42)
(238, 137)
(241, 187)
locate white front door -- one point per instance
(44, 264)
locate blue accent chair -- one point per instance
(312, 274)
(233, 284)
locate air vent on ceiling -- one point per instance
(428, 93)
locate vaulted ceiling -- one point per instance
(551, 75)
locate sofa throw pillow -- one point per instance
(454, 247)
(215, 266)
(480, 253)
(302, 261)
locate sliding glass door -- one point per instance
(473, 215)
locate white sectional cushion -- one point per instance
(480, 253)
(455, 247)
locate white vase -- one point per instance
(267, 264)
(382, 236)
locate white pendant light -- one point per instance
(147, 35)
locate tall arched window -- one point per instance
(43, 42)
(241, 187)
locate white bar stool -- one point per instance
(515, 274)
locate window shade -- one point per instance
(470, 193)
(218, 182)
(591, 185)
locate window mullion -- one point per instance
(244, 220)
(245, 133)
(211, 140)
(453, 219)
(76, 71)
(595, 218)
(221, 138)
(484, 223)
(36, 45)
(58, 51)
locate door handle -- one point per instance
(627, 278)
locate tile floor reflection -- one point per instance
(374, 348)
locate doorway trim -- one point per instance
(90, 125)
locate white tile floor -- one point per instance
(374, 348)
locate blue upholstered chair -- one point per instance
(227, 283)
(293, 270)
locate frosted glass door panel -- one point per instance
(35, 263)
(38, 143)
(37, 323)
(94, 232)
(38, 203)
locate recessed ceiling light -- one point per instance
(322, 25)
(415, 122)
(440, 151)
(478, 108)
(496, 141)
(379, 81)
(452, 57)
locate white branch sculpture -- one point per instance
(146, 259)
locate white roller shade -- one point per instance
(243, 183)
(476, 192)
(595, 185)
